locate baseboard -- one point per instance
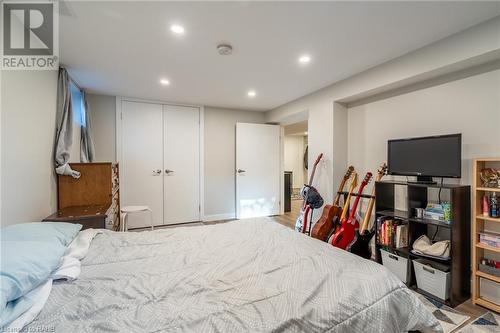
(218, 217)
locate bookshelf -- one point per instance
(479, 224)
(458, 232)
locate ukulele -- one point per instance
(303, 219)
(337, 219)
(360, 244)
(345, 235)
(325, 224)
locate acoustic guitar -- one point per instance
(301, 224)
(325, 225)
(345, 235)
(361, 242)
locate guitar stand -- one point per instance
(366, 196)
(345, 194)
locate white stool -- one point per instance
(134, 209)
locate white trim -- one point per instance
(119, 138)
(304, 116)
(118, 142)
(282, 170)
(202, 163)
(118, 126)
(219, 217)
(140, 100)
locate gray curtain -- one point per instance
(87, 152)
(64, 126)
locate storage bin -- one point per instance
(431, 279)
(489, 290)
(396, 264)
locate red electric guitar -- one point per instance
(345, 235)
(302, 222)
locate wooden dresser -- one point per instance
(92, 200)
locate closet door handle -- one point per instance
(168, 172)
(240, 171)
(157, 171)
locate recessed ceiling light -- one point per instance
(165, 82)
(304, 59)
(178, 29)
(251, 93)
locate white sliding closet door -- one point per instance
(181, 146)
(141, 174)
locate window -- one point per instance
(78, 105)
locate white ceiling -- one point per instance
(124, 48)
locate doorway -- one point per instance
(295, 163)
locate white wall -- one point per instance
(294, 158)
(328, 118)
(470, 106)
(103, 119)
(28, 111)
(220, 159)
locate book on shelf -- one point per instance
(402, 236)
(392, 232)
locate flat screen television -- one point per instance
(426, 157)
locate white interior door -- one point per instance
(257, 170)
(181, 164)
(141, 174)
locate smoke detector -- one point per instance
(224, 49)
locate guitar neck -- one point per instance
(346, 205)
(371, 203)
(341, 188)
(368, 213)
(314, 168)
(356, 202)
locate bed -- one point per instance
(251, 275)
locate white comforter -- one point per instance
(243, 276)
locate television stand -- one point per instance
(425, 180)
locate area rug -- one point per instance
(489, 322)
(449, 318)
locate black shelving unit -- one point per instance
(458, 232)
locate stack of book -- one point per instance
(392, 232)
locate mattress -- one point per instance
(250, 275)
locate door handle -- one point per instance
(157, 171)
(167, 171)
(240, 171)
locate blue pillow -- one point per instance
(29, 253)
